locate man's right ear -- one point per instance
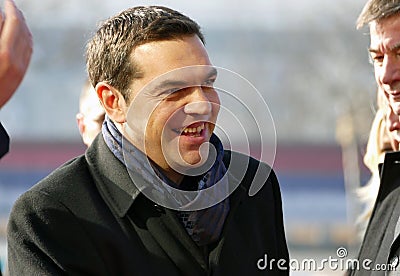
(112, 101)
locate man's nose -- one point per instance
(390, 70)
(199, 103)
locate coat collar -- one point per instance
(389, 175)
(111, 177)
(117, 186)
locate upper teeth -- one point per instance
(194, 129)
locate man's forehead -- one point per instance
(375, 31)
(385, 26)
(161, 56)
(384, 35)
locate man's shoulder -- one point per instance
(72, 169)
(253, 174)
(69, 187)
(66, 179)
(238, 157)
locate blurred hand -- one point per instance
(15, 50)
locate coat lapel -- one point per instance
(170, 240)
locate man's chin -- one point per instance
(192, 160)
(190, 164)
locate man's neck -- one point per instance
(164, 168)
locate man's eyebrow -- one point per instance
(394, 48)
(372, 50)
(181, 83)
(170, 83)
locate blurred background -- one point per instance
(306, 59)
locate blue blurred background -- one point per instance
(306, 59)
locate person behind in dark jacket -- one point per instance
(380, 248)
(156, 193)
(15, 54)
(379, 143)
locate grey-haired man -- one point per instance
(379, 253)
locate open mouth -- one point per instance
(194, 130)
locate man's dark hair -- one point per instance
(108, 52)
(375, 10)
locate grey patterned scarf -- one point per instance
(203, 226)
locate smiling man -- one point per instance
(381, 243)
(383, 19)
(156, 193)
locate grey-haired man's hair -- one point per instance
(108, 52)
(375, 10)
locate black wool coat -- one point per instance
(4, 141)
(380, 249)
(88, 218)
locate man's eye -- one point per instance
(209, 83)
(377, 58)
(171, 91)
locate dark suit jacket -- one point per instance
(4, 141)
(87, 218)
(381, 244)
(4, 145)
